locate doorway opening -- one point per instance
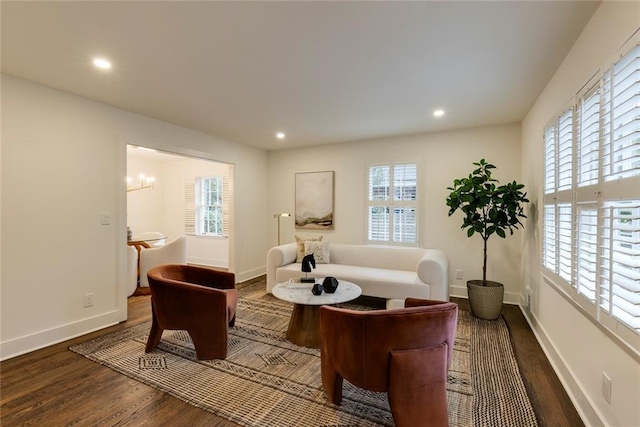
(165, 195)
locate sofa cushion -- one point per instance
(320, 251)
(300, 245)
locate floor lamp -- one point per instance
(280, 215)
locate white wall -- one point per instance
(443, 157)
(63, 164)
(580, 350)
(57, 155)
(145, 207)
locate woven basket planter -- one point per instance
(485, 301)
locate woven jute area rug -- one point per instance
(267, 381)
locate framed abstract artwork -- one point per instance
(314, 200)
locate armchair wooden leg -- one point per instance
(418, 386)
(154, 335)
(332, 382)
(209, 346)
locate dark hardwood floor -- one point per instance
(56, 387)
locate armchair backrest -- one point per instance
(202, 276)
(185, 294)
(359, 343)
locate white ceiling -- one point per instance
(322, 72)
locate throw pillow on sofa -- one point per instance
(320, 251)
(300, 248)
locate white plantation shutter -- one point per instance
(591, 226)
(404, 181)
(588, 137)
(379, 190)
(558, 153)
(565, 241)
(550, 159)
(557, 242)
(392, 214)
(621, 117)
(620, 234)
(565, 150)
(404, 225)
(379, 223)
(189, 208)
(225, 204)
(558, 180)
(550, 239)
(586, 251)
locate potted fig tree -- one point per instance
(489, 208)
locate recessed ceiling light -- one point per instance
(438, 113)
(102, 63)
(280, 135)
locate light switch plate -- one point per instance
(105, 218)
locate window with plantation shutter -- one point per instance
(591, 220)
(392, 211)
(207, 206)
(558, 180)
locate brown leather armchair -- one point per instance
(199, 300)
(405, 352)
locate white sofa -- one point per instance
(393, 273)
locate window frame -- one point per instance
(591, 200)
(392, 204)
(201, 206)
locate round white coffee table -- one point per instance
(304, 325)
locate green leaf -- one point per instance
(470, 232)
(500, 232)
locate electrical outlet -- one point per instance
(606, 388)
(88, 300)
(459, 274)
(528, 293)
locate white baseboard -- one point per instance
(246, 275)
(211, 262)
(461, 292)
(586, 409)
(28, 343)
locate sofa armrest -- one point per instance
(433, 269)
(277, 257)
